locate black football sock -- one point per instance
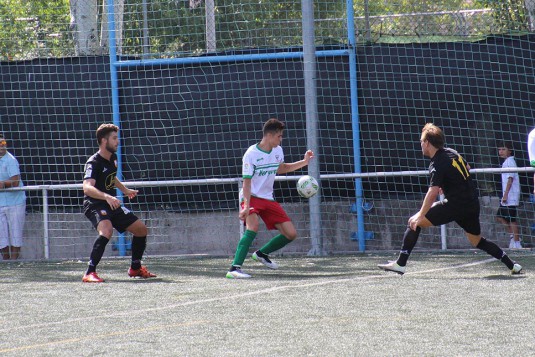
(96, 254)
(409, 241)
(495, 251)
(138, 248)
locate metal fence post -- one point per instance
(45, 224)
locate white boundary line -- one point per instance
(129, 313)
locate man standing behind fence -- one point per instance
(507, 213)
(531, 153)
(105, 210)
(12, 205)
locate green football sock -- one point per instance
(243, 247)
(274, 244)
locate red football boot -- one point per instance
(92, 278)
(141, 272)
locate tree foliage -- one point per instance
(34, 28)
(40, 28)
(174, 27)
(510, 15)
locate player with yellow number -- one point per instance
(449, 173)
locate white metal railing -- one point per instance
(44, 189)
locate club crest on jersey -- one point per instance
(103, 212)
(110, 181)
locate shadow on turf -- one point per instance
(504, 277)
(172, 271)
(45, 272)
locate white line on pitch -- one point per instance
(129, 313)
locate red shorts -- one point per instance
(271, 212)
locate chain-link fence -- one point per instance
(164, 29)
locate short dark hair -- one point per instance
(434, 135)
(105, 130)
(508, 145)
(272, 126)
(505, 144)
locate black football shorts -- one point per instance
(121, 218)
(466, 216)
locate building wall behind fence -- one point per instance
(217, 233)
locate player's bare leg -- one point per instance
(288, 233)
(5, 253)
(15, 252)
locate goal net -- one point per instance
(196, 80)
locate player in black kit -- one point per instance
(450, 173)
(105, 211)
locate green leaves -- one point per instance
(36, 28)
(510, 15)
(40, 28)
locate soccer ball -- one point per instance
(307, 186)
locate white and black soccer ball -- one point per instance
(307, 186)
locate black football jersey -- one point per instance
(449, 171)
(103, 172)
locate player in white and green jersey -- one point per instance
(261, 167)
(261, 163)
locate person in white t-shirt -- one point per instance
(261, 163)
(531, 153)
(507, 213)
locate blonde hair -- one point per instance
(434, 135)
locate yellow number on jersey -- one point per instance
(458, 163)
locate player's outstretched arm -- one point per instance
(285, 167)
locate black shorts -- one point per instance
(121, 218)
(467, 216)
(507, 212)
